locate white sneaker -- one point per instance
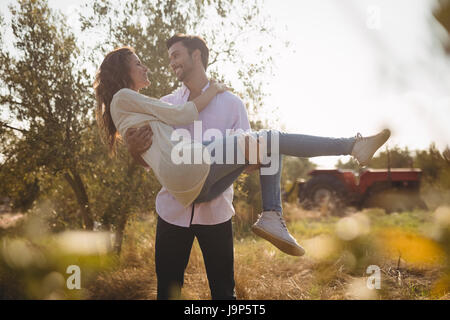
(271, 226)
(365, 148)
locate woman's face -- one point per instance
(138, 73)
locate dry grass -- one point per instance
(262, 272)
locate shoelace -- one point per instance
(359, 136)
(283, 223)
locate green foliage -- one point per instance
(435, 167)
(122, 24)
(48, 93)
(118, 185)
(43, 89)
(351, 164)
(295, 168)
(395, 158)
(147, 24)
(247, 200)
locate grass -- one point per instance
(411, 249)
(263, 272)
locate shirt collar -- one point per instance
(185, 90)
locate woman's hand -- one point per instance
(220, 87)
(214, 88)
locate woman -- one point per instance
(120, 106)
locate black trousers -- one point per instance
(172, 250)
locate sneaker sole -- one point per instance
(281, 244)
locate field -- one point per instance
(409, 250)
(414, 267)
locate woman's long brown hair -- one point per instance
(112, 76)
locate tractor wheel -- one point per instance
(421, 204)
(324, 191)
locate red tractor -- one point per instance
(391, 189)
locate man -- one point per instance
(209, 222)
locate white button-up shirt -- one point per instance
(226, 111)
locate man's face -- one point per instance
(181, 61)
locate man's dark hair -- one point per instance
(191, 43)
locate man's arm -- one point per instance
(138, 141)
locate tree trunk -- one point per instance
(124, 215)
(119, 233)
(78, 188)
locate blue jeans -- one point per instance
(221, 176)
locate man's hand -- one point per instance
(138, 141)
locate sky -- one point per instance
(360, 66)
(355, 66)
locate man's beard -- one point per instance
(186, 70)
(181, 77)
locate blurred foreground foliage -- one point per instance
(410, 249)
(41, 267)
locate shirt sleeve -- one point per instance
(241, 117)
(182, 114)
